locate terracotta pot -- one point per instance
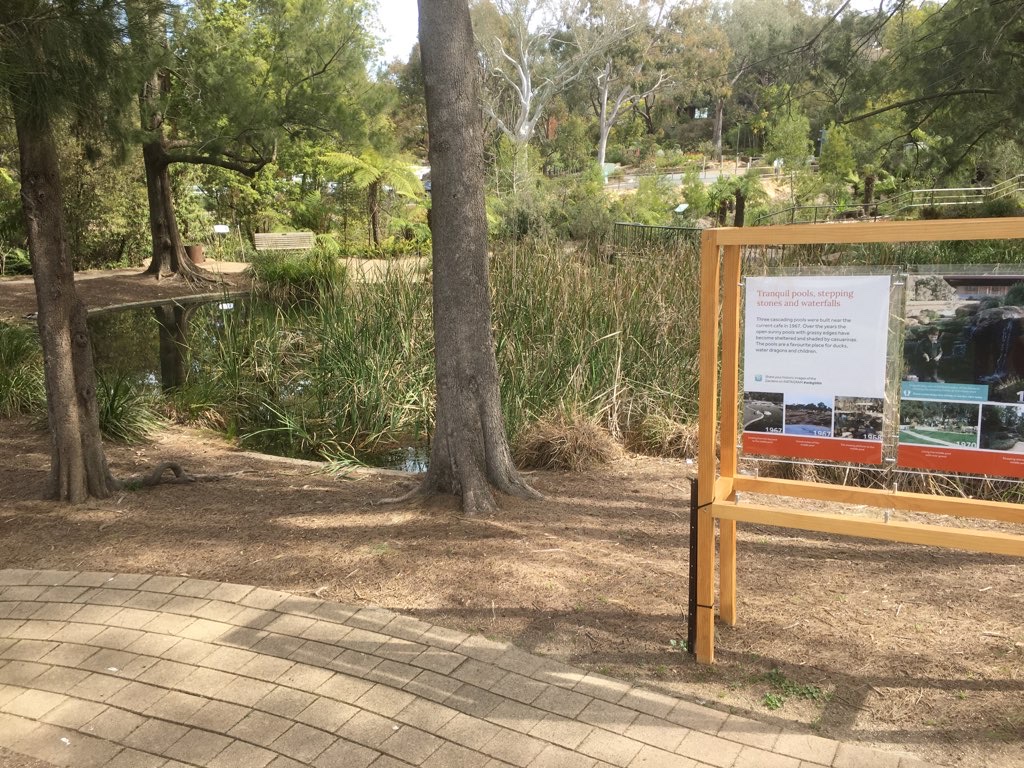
(195, 253)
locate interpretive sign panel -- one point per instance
(814, 366)
(962, 395)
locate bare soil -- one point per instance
(906, 648)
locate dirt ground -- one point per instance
(906, 648)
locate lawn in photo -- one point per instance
(950, 425)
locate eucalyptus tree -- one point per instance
(240, 78)
(62, 60)
(469, 452)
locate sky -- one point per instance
(398, 19)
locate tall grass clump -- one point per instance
(616, 342)
(288, 277)
(22, 386)
(127, 413)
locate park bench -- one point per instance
(285, 241)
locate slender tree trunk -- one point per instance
(78, 466)
(168, 250)
(716, 137)
(469, 454)
(741, 208)
(172, 320)
(869, 192)
(373, 200)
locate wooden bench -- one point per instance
(285, 241)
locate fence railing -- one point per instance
(630, 238)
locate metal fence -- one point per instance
(635, 239)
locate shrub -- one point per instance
(127, 414)
(572, 443)
(21, 371)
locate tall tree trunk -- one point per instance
(373, 200)
(172, 320)
(741, 208)
(78, 466)
(716, 137)
(168, 250)
(469, 454)
(869, 192)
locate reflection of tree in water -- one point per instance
(948, 417)
(1002, 427)
(172, 320)
(859, 418)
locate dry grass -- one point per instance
(573, 443)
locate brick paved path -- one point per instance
(130, 671)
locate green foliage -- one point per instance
(571, 151)
(1015, 296)
(127, 413)
(21, 371)
(837, 161)
(653, 202)
(291, 276)
(789, 138)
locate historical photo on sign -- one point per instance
(965, 332)
(808, 415)
(950, 425)
(858, 418)
(1002, 428)
(762, 412)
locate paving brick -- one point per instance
(231, 593)
(9, 692)
(48, 743)
(36, 629)
(127, 580)
(89, 579)
(557, 673)
(302, 743)
(557, 757)
(393, 673)
(74, 713)
(14, 728)
(286, 702)
(601, 687)
(750, 732)
(289, 624)
(325, 631)
(68, 654)
(245, 691)
(260, 728)
(137, 697)
(228, 659)
(513, 747)
(206, 631)
(21, 672)
(696, 717)
(56, 611)
(386, 761)
(368, 729)
(152, 644)
(326, 714)
(168, 624)
(345, 754)
(16, 576)
(131, 618)
(104, 596)
(206, 682)
(657, 733)
(33, 704)
(384, 700)
(808, 747)
(856, 756)
(305, 677)
(473, 701)
(176, 706)
(301, 606)
(438, 660)
(59, 679)
(316, 653)
(218, 716)
(266, 668)
(443, 638)
(155, 736)
(184, 606)
(362, 640)
(562, 731)
(433, 686)
(264, 599)
(113, 724)
(369, 618)
(29, 650)
(611, 717)
(561, 701)
(469, 731)
(189, 651)
(400, 650)
(517, 716)
(648, 702)
(198, 746)
(652, 757)
(51, 577)
(518, 687)
(98, 687)
(109, 661)
(344, 687)
(519, 661)
(482, 649)
(709, 749)
(147, 601)
(336, 612)
(238, 754)
(427, 715)
(133, 758)
(219, 611)
(161, 583)
(165, 673)
(610, 747)
(195, 588)
(28, 593)
(282, 646)
(752, 757)
(453, 756)
(411, 744)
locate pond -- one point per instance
(220, 357)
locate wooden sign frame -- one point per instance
(718, 479)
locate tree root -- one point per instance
(156, 476)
